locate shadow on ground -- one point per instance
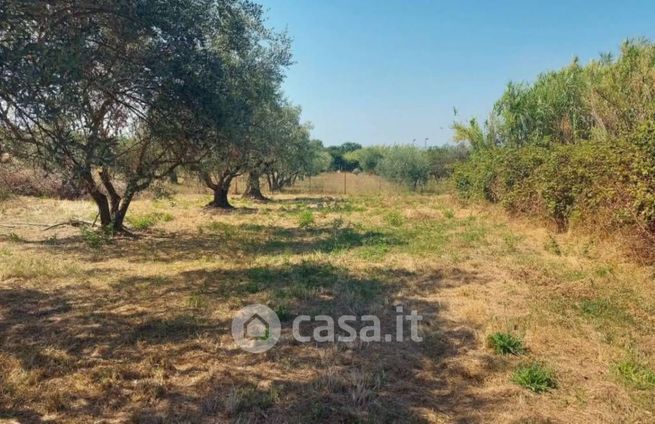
(159, 350)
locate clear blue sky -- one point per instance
(390, 71)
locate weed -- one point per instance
(144, 222)
(394, 219)
(636, 374)
(34, 267)
(511, 242)
(197, 301)
(448, 213)
(536, 377)
(216, 227)
(52, 240)
(506, 344)
(4, 194)
(305, 219)
(95, 238)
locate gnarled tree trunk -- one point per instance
(221, 188)
(112, 208)
(253, 190)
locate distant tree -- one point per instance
(339, 162)
(443, 159)
(304, 157)
(280, 129)
(367, 158)
(405, 165)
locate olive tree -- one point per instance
(256, 68)
(114, 94)
(406, 165)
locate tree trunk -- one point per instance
(220, 198)
(253, 190)
(221, 190)
(103, 207)
(98, 197)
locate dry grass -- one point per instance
(138, 330)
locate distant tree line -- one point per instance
(407, 165)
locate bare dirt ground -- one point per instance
(138, 330)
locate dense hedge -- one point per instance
(577, 146)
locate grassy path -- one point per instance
(139, 330)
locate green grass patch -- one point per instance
(305, 219)
(394, 219)
(536, 377)
(604, 310)
(147, 221)
(636, 374)
(506, 344)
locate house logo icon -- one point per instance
(256, 328)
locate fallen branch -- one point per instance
(20, 224)
(72, 223)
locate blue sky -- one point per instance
(390, 71)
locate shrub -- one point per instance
(23, 180)
(575, 147)
(96, 238)
(506, 344)
(536, 377)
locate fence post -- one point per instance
(345, 191)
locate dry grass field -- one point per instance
(94, 330)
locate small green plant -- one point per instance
(305, 219)
(96, 238)
(636, 373)
(394, 219)
(448, 214)
(197, 301)
(506, 344)
(144, 222)
(536, 377)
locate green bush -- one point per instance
(96, 238)
(576, 147)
